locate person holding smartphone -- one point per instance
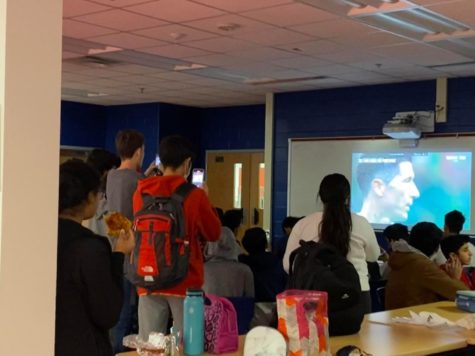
(202, 224)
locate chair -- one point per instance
(381, 293)
(245, 312)
(377, 299)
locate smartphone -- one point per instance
(157, 161)
(198, 176)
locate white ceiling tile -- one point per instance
(330, 70)
(175, 51)
(175, 33)
(241, 5)
(461, 10)
(218, 60)
(349, 56)
(370, 40)
(379, 64)
(241, 23)
(274, 37)
(176, 11)
(222, 44)
(301, 62)
(75, 77)
(313, 48)
(289, 15)
(421, 54)
(334, 28)
(258, 68)
(80, 7)
(76, 29)
(262, 54)
(365, 77)
(121, 3)
(176, 76)
(137, 69)
(432, 2)
(136, 79)
(127, 41)
(121, 20)
(103, 82)
(96, 72)
(70, 55)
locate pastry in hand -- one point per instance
(116, 222)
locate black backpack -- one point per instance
(161, 255)
(320, 267)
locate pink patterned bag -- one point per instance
(221, 330)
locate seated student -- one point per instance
(414, 279)
(269, 274)
(392, 233)
(232, 220)
(453, 224)
(223, 274)
(457, 252)
(281, 244)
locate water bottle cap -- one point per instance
(194, 292)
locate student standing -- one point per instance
(349, 233)
(89, 275)
(120, 188)
(202, 224)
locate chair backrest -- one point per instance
(381, 292)
(245, 312)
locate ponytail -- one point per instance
(335, 227)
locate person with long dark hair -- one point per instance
(89, 274)
(349, 233)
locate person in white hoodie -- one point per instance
(351, 234)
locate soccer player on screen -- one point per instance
(387, 183)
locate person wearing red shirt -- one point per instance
(457, 251)
(202, 224)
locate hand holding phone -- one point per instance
(198, 177)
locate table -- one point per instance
(239, 352)
(380, 336)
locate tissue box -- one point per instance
(465, 300)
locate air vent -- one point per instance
(94, 61)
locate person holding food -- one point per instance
(89, 274)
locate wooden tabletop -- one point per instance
(380, 336)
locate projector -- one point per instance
(409, 125)
(401, 131)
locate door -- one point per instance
(236, 181)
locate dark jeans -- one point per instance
(128, 318)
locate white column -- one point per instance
(268, 155)
(30, 86)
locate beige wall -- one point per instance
(30, 79)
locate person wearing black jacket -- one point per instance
(269, 275)
(89, 275)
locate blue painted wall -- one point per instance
(233, 128)
(141, 117)
(354, 112)
(76, 123)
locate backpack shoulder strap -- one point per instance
(293, 255)
(182, 191)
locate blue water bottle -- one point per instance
(193, 322)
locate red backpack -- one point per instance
(161, 255)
